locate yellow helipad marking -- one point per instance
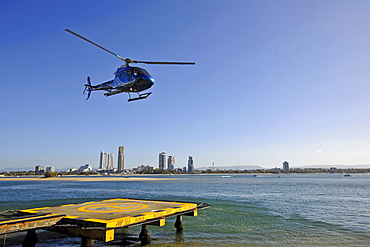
(112, 207)
(116, 212)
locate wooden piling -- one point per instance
(87, 242)
(31, 239)
(178, 224)
(144, 235)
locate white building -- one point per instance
(110, 164)
(144, 167)
(85, 168)
(103, 160)
(39, 169)
(106, 161)
(50, 169)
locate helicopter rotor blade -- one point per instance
(127, 60)
(178, 63)
(101, 47)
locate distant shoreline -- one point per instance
(84, 178)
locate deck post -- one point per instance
(178, 224)
(31, 239)
(87, 242)
(144, 235)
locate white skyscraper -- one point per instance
(106, 161)
(162, 161)
(110, 161)
(103, 160)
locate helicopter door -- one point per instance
(130, 73)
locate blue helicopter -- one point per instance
(127, 79)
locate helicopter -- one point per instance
(127, 79)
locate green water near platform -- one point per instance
(267, 210)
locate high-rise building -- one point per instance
(39, 169)
(121, 159)
(285, 166)
(50, 169)
(106, 161)
(103, 160)
(171, 163)
(190, 165)
(162, 161)
(110, 161)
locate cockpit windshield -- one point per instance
(140, 71)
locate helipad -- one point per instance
(99, 219)
(116, 212)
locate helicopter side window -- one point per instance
(123, 73)
(136, 71)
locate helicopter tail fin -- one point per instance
(87, 87)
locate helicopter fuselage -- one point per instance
(132, 79)
(127, 80)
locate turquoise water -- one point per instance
(267, 210)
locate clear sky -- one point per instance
(273, 81)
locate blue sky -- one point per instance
(273, 81)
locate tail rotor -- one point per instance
(87, 87)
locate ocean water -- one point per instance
(267, 210)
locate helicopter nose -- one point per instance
(150, 82)
(145, 83)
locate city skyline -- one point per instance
(89, 167)
(107, 161)
(273, 81)
(169, 163)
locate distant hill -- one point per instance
(17, 169)
(361, 166)
(241, 168)
(21, 169)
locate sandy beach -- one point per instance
(84, 178)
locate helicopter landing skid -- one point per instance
(141, 96)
